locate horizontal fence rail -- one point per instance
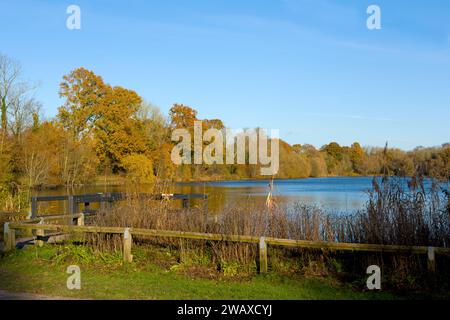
(107, 199)
(262, 242)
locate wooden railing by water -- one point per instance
(107, 199)
(262, 242)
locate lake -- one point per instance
(336, 194)
(333, 194)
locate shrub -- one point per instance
(139, 168)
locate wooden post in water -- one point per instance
(431, 260)
(127, 242)
(262, 255)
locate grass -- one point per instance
(43, 271)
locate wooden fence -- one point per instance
(107, 199)
(39, 227)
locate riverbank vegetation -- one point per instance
(417, 215)
(156, 273)
(102, 130)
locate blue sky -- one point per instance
(310, 68)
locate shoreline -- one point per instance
(99, 184)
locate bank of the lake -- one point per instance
(43, 271)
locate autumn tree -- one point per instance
(139, 168)
(84, 92)
(297, 148)
(10, 72)
(398, 163)
(333, 156)
(182, 116)
(157, 135)
(17, 107)
(50, 155)
(108, 114)
(117, 131)
(357, 157)
(156, 125)
(5, 161)
(213, 124)
(23, 113)
(293, 164)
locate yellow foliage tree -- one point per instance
(109, 114)
(139, 168)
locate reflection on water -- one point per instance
(337, 194)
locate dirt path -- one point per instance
(5, 295)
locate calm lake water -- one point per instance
(337, 194)
(334, 194)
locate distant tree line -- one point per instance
(104, 130)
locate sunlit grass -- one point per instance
(43, 271)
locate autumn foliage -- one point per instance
(109, 130)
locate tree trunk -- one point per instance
(3, 114)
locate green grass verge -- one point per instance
(103, 276)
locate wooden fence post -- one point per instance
(262, 255)
(40, 233)
(9, 237)
(431, 260)
(6, 236)
(205, 212)
(80, 220)
(127, 242)
(71, 204)
(34, 207)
